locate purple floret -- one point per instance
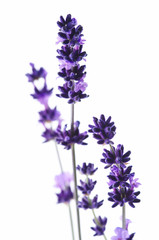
(42, 95)
(50, 134)
(123, 195)
(87, 203)
(103, 130)
(87, 169)
(119, 177)
(68, 24)
(73, 94)
(49, 115)
(115, 156)
(36, 74)
(65, 195)
(69, 137)
(100, 226)
(87, 187)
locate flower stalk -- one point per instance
(124, 216)
(74, 173)
(58, 156)
(71, 221)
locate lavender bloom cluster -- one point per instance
(70, 55)
(69, 137)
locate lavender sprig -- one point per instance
(86, 187)
(121, 177)
(71, 53)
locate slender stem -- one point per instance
(58, 156)
(70, 213)
(74, 173)
(124, 216)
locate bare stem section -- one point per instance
(74, 173)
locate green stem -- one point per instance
(58, 156)
(124, 216)
(111, 147)
(74, 173)
(70, 214)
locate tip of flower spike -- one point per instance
(87, 169)
(36, 74)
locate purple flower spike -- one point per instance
(87, 187)
(69, 137)
(49, 115)
(36, 74)
(87, 169)
(100, 226)
(69, 55)
(42, 95)
(87, 203)
(103, 130)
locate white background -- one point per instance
(122, 74)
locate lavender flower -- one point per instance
(65, 195)
(100, 226)
(68, 24)
(49, 115)
(87, 203)
(75, 73)
(87, 187)
(42, 95)
(74, 95)
(123, 195)
(87, 169)
(134, 182)
(103, 130)
(119, 177)
(115, 156)
(36, 74)
(50, 134)
(68, 137)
